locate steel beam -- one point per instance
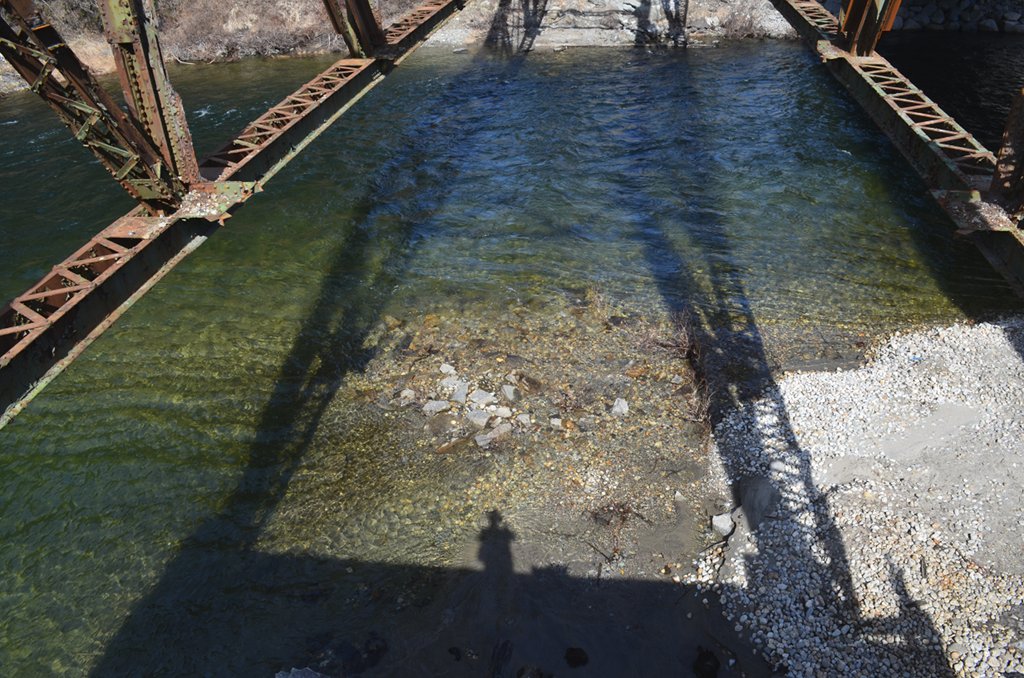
(338, 14)
(367, 28)
(863, 22)
(43, 330)
(39, 54)
(131, 30)
(357, 24)
(958, 169)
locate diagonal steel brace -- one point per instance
(130, 28)
(37, 52)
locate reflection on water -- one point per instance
(458, 186)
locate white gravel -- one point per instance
(898, 545)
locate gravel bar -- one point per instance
(886, 534)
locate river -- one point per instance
(149, 517)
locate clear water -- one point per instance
(146, 493)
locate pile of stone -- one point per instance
(460, 400)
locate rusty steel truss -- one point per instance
(982, 191)
(146, 146)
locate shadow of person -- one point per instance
(496, 556)
(500, 623)
(496, 546)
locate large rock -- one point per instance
(722, 524)
(478, 418)
(758, 498)
(482, 398)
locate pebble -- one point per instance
(620, 408)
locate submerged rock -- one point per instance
(497, 433)
(436, 407)
(299, 673)
(478, 418)
(576, 657)
(482, 397)
(450, 383)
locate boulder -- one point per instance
(758, 497)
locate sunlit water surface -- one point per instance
(463, 183)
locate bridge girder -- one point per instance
(117, 138)
(862, 23)
(355, 21)
(130, 28)
(148, 149)
(981, 195)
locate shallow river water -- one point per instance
(150, 475)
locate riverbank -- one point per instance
(889, 507)
(233, 30)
